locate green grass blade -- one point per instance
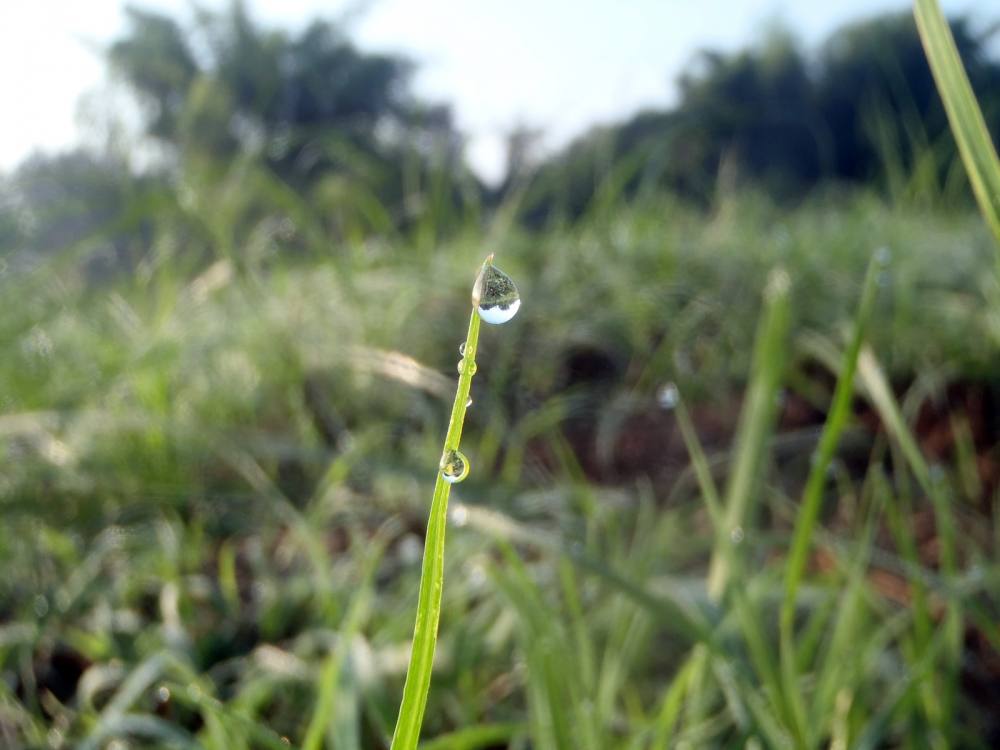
(756, 425)
(836, 421)
(967, 123)
(805, 524)
(756, 421)
(418, 674)
(673, 701)
(474, 738)
(324, 712)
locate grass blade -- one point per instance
(418, 673)
(756, 421)
(967, 123)
(805, 523)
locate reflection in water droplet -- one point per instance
(736, 535)
(496, 296)
(468, 402)
(667, 396)
(461, 349)
(499, 313)
(454, 467)
(461, 366)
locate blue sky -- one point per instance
(558, 65)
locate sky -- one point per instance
(558, 65)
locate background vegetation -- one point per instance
(229, 357)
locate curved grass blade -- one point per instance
(964, 115)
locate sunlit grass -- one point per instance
(215, 493)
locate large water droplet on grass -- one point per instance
(454, 466)
(496, 295)
(461, 366)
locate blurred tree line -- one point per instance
(256, 141)
(861, 110)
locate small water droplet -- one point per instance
(495, 295)
(736, 535)
(461, 366)
(883, 256)
(667, 396)
(163, 694)
(410, 549)
(476, 576)
(461, 349)
(468, 402)
(459, 515)
(454, 467)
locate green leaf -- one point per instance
(967, 123)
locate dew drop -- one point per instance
(495, 295)
(468, 402)
(476, 576)
(883, 255)
(163, 694)
(454, 467)
(461, 349)
(459, 515)
(667, 396)
(736, 535)
(461, 366)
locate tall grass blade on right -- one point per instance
(808, 514)
(964, 114)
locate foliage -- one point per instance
(216, 460)
(964, 113)
(861, 109)
(320, 115)
(214, 496)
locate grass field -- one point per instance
(215, 488)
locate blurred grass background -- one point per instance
(229, 354)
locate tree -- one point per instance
(860, 110)
(307, 104)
